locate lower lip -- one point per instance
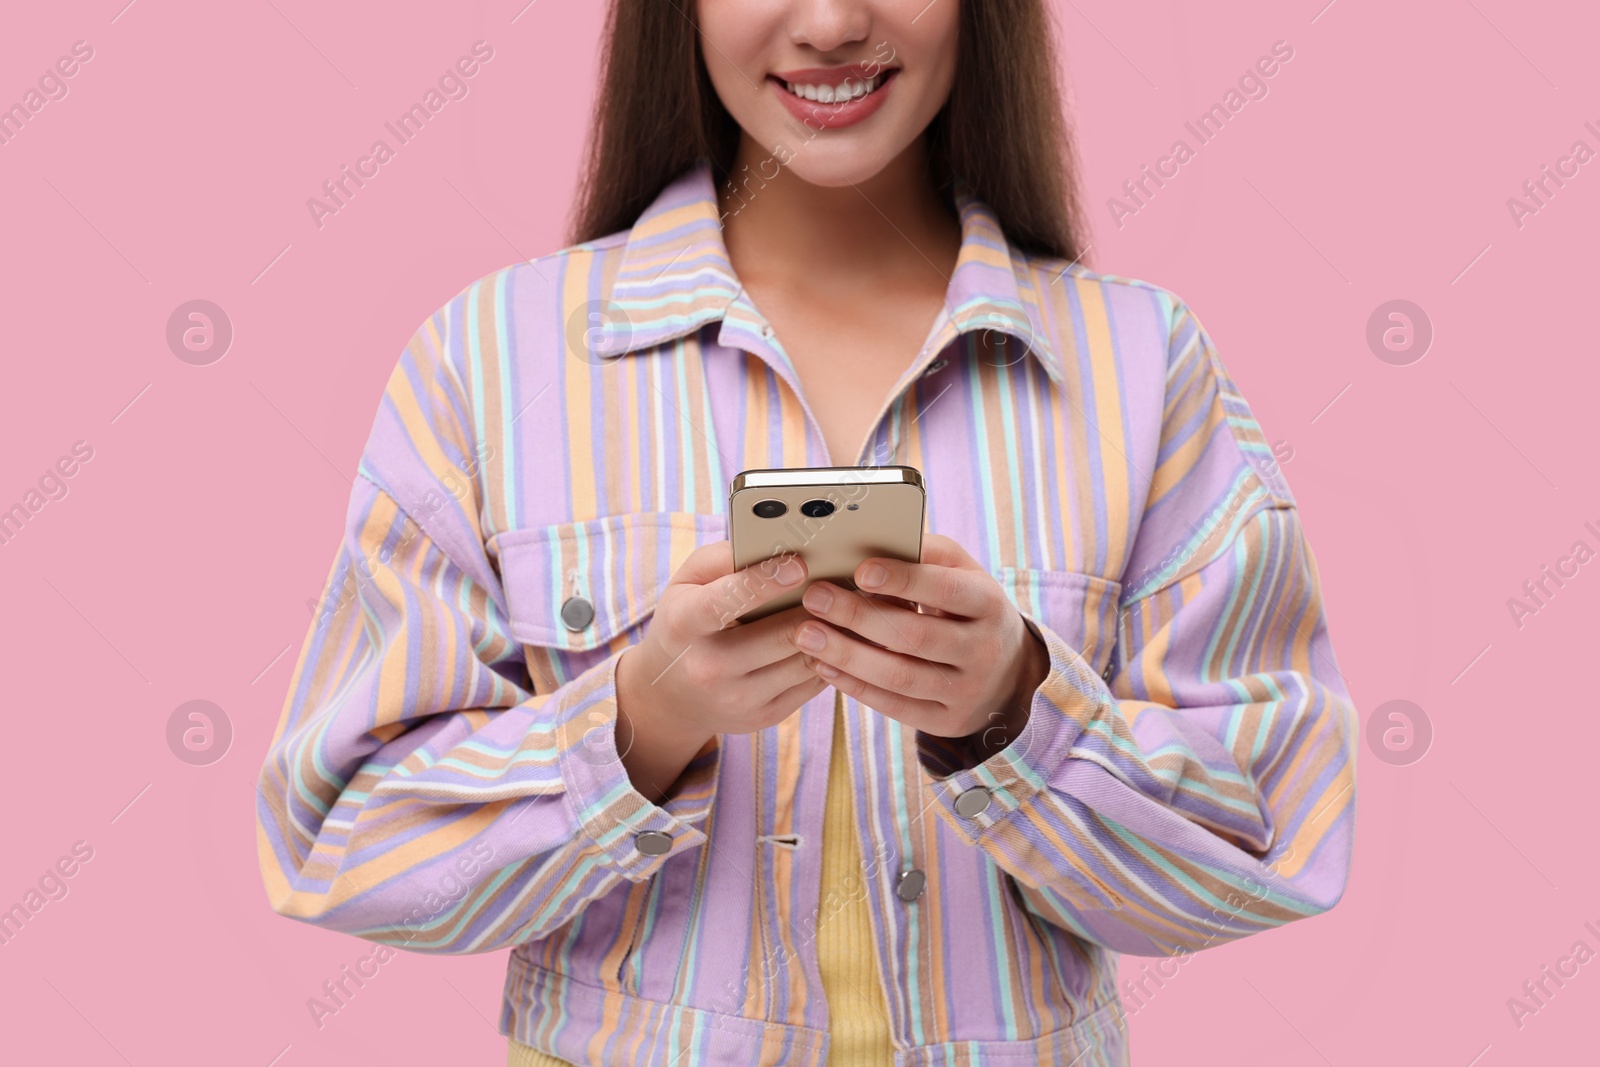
(821, 116)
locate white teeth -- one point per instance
(849, 89)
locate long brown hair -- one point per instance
(1002, 132)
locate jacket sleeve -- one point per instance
(420, 790)
(1207, 791)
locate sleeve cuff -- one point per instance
(632, 833)
(973, 795)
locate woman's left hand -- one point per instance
(966, 663)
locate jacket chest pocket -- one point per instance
(1082, 608)
(578, 592)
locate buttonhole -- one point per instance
(789, 841)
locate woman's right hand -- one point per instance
(698, 673)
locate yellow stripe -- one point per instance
(858, 1016)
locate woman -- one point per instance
(816, 232)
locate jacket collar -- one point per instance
(675, 276)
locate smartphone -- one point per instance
(832, 517)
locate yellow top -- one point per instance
(859, 1035)
(857, 1014)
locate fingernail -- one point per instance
(811, 637)
(818, 598)
(827, 670)
(872, 575)
(789, 572)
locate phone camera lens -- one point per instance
(817, 509)
(769, 509)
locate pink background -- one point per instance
(179, 565)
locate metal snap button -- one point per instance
(1105, 675)
(767, 332)
(935, 367)
(577, 613)
(652, 842)
(972, 802)
(910, 884)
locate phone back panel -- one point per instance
(868, 519)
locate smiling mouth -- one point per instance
(842, 92)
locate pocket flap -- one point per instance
(1082, 608)
(576, 586)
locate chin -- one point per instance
(838, 166)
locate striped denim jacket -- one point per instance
(444, 776)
